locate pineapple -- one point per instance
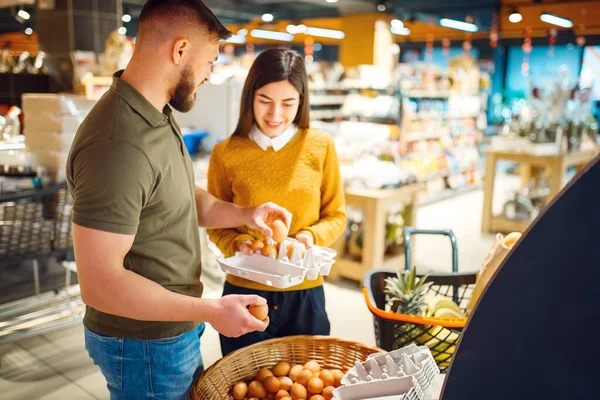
(405, 293)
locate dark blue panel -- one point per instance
(533, 334)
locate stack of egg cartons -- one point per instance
(50, 123)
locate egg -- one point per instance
(298, 392)
(285, 383)
(280, 230)
(295, 371)
(286, 398)
(262, 374)
(282, 394)
(327, 377)
(240, 391)
(257, 389)
(269, 251)
(290, 249)
(312, 366)
(257, 245)
(272, 384)
(315, 386)
(337, 376)
(317, 397)
(260, 312)
(327, 393)
(316, 374)
(304, 376)
(281, 369)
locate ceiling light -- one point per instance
(397, 23)
(292, 29)
(28, 31)
(331, 1)
(381, 8)
(126, 18)
(555, 20)
(301, 28)
(242, 32)
(515, 17)
(271, 35)
(400, 31)
(327, 33)
(267, 17)
(24, 14)
(237, 39)
(122, 30)
(317, 47)
(459, 25)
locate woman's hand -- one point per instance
(306, 239)
(246, 247)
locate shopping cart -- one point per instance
(35, 226)
(394, 330)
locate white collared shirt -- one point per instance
(264, 142)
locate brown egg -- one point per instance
(281, 369)
(317, 397)
(290, 249)
(252, 398)
(282, 394)
(312, 366)
(270, 396)
(257, 245)
(327, 377)
(260, 312)
(285, 383)
(272, 384)
(298, 392)
(295, 371)
(327, 393)
(269, 251)
(304, 376)
(257, 389)
(337, 376)
(280, 230)
(240, 390)
(262, 374)
(286, 398)
(315, 386)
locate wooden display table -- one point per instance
(555, 166)
(374, 203)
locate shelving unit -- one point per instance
(374, 204)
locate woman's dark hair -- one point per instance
(270, 66)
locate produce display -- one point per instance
(285, 381)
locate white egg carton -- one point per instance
(387, 373)
(284, 271)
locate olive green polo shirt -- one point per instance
(130, 173)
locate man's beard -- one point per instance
(184, 95)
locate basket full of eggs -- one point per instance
(295, 367)
(280, 261)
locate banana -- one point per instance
(448, 313)
(434, 303)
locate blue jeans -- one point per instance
(147, 369)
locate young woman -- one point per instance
(274, 156)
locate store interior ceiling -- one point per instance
(242, 11)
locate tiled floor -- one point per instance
(56, 366)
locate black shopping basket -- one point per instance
(394, 330)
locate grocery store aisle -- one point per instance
(56, 366)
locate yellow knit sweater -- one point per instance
(303, 177)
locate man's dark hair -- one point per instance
(178, 12)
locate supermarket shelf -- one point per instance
(423, 94)
(503, 225)
(449, 193)
(327, 100)
(441, 115)
(445, 174)
(325, 114)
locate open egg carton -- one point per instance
(285, 270)
(403, 374)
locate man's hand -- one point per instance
(262, 216)
(230, 316)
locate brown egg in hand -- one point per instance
(257, 245)
(280, 230)
(259, 311)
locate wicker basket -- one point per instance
(243, 364)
